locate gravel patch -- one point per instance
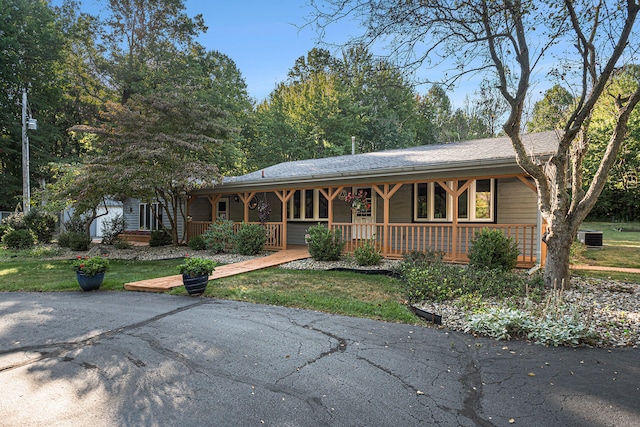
(610, 307)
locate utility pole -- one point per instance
(27, 122)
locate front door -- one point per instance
(363, 216)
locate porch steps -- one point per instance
(163, 284)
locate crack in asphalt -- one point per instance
(315, 403)
(61, 348)
(471, 382)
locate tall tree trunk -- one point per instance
(559, 239)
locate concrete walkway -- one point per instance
(600, 268)
(163, 284)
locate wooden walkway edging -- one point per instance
(163, 284)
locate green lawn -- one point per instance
(30, 274)
(353, 294)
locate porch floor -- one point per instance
(163, 284)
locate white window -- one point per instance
(308, 205)
(433, 203)
(150, 216)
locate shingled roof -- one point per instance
(456, 157)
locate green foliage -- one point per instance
(74, 240)
(417, 259)
(160, 238)
(491, 249)
(501, 324)
(250, 239)
(367, 254)
(90, 266)
(439, 281)
(577, 252)
(42, 224)
(122, 244)
(197, 243)
(111, 229)
(16, 221)
(324, 244)
(31, 45)
(436, 282)
(551, 111)
(195, 266)
(4, 229)
(505, 324)
(19, 239)
(219, 236)
(76, 223)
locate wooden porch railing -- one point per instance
(435, 237)
(274, 232)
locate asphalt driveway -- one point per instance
(110, 359)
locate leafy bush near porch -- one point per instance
(160, 238)
(324, 244)
(491, 249)
(250, 239)
(367, 254)
(197, 243)
(76, 241)
(219, 236)
(42, 224)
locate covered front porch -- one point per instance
(441, 215)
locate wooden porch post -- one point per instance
(214, 205)
(455, 193)
(386, 195)
(284, 197)
(246, 198)
(330, 195)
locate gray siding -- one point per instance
(401, 205)
(516, 203)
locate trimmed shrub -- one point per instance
(250, 239)
(491, 249)
(367, 254)
(219, 236)
(122, 244)
(111, 229)
(42, 224)
(19, 239)
(197, 243)
(77, 241)
(160, 238)
(324, 244)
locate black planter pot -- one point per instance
(89, 283)
(195, 285)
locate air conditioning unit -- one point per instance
(590, 238)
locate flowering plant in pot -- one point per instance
(90, 271)
(195, 273)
